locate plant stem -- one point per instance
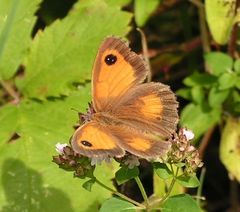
(171, 185)
(202, 25)
(145, 54)
(160, 201)
(205, 141)
(142, 190)
(120, 195)
(199, 191)
(232, 44)
(10, 90)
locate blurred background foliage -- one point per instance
(47, 49)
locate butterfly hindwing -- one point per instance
(150, 106)
(139, 143)
(94, 140)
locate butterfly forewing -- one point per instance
(116, 70)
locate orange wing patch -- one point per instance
(116, 70)
(93, 140)
(139, 143)
(150, 106)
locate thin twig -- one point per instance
(232, 44)
(205, 140)
(234, 195)
(202, 25)
(142, 190)
(10, 91)
(199, 190)
(145, 54)
(170, 187)
(120, 195)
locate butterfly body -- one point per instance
(128, 115)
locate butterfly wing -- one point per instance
(139, 143)
(116, 70)
(151, 107)
(94, 140)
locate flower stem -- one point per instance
(199, 191)
(171, 185)
(142, 190)
(120, 195)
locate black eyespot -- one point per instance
(86, 143)
(110, 59)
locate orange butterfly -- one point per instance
(129, 116)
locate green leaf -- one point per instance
(237, 84)
(199, 118)
(124, 174)
(227, 80)
(188, 181)
(119, 3)
(216, 97)
(236, 108)
(179, 164)
(160, 185)
(26, 167)
(64, 52)
(143, 9)
(88, 184)
(16, 22)
(218, 62)
(229, 147)
(198, 94)
(162, 170)
(197, 79)
(220, 19)
(237, 66)
(117, 205)
(184, 93)
(180, 203)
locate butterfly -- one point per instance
(129, 115)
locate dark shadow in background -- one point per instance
(24, 190)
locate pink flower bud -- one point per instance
(188, 134)
(60, 147)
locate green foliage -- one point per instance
(218, 62)
(188, 181)
(180, 203)
(162, 170)
(229, 147)
(88, 184)
(199, 118)
(117, 205)
(16, 18)
(217, 88)
(220, 19)
(143, 9)
(124, 174)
